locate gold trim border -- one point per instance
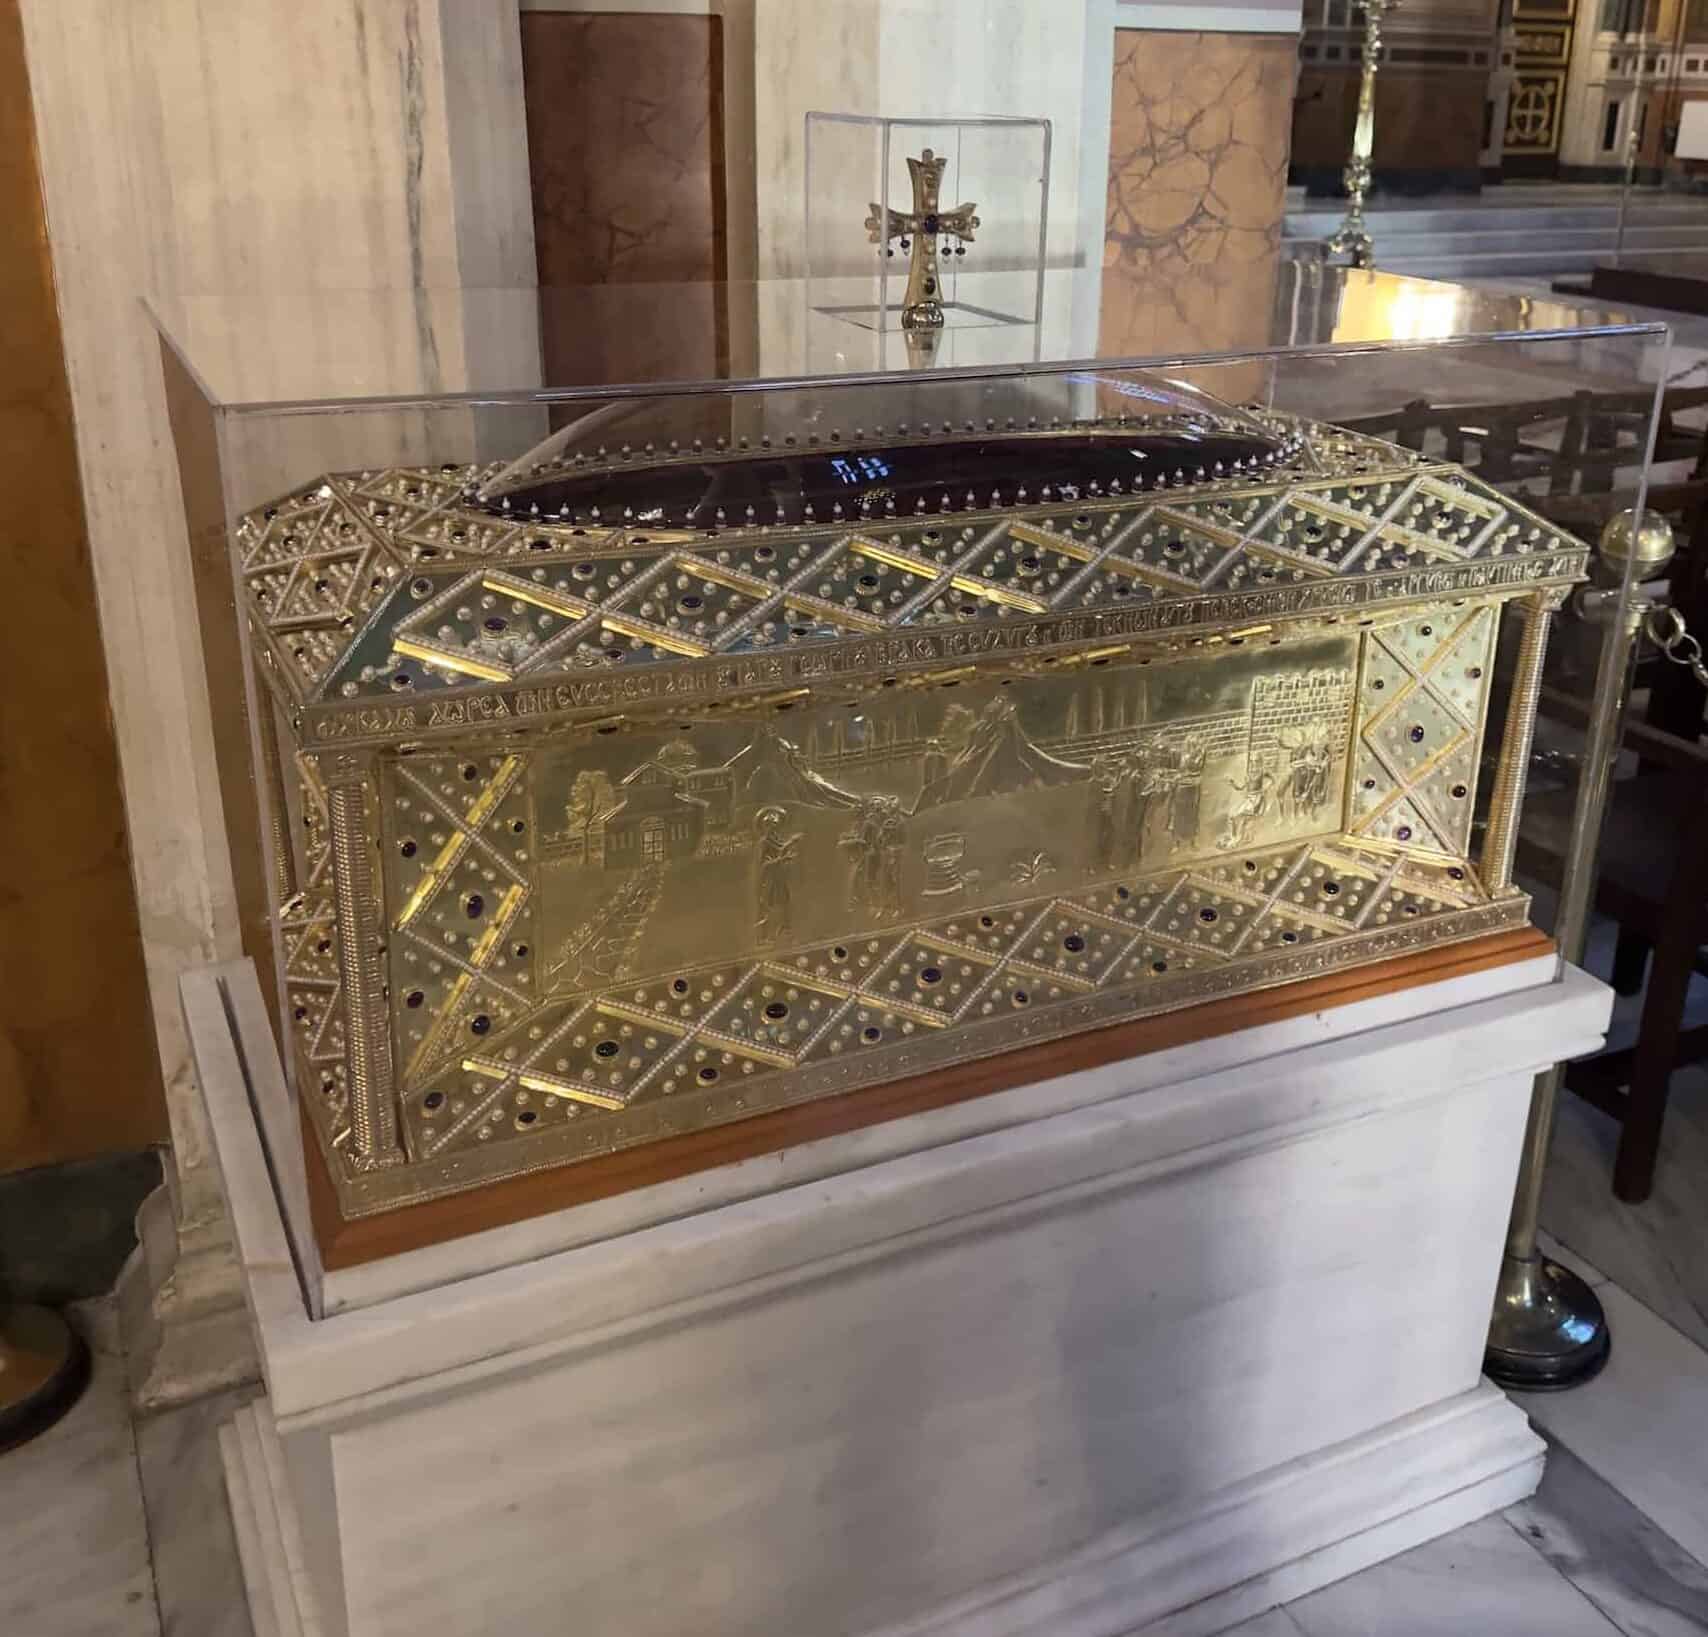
(374, 1193)
(571, 699)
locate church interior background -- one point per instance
(1485, 91)
(338, 198)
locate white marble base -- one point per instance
(269, 1536)
(1352, 1507)
(1168, 1354)
(181, 1312)
(73, 1538)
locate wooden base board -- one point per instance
(350, 1242)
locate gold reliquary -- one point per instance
(664, 780)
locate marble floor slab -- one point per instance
(1628, 1567)
(1642, 1424)
(1653, 1250)
(1275, 1623)
(73, 1541)
(198, 1579)
(1484, 1578)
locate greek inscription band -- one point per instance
(691, 680)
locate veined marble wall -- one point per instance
(1197, 184)
(912, 57)
(256, 170)
(77, 1069)
(626, 148)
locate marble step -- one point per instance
(1452, 240)
(1519, 262)
(1645, 234)
(1399, 216)
(1486, 241)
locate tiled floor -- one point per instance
(1654, 1250)
(73, 1541)
(197, 1579)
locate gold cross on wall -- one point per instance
(922, 307)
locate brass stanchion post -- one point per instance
(1352, 237)
(1548, 1329)
(44, 1367)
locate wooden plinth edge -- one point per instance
(348, 1243)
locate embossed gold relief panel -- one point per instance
(599, 833)
(844, 822)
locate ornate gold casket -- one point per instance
(632, 790)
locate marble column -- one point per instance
(246, 169)
(1197, 186)
(627, 151)
(77, 1073)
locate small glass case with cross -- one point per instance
(951, 237)
(919, 231)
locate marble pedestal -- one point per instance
(1143, 1348)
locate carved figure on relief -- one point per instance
(949, 743)
(1186, 802)
(1306, 787)
(1252, 805)
(1108, 777)
(875, 840)
(778, 852)
(1147, 786)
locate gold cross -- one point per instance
(922, 307)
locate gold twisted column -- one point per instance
(376, 1137)
(1500, 840)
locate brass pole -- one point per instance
(1633, 138)
(44, 1367)
(1548, 1329)
(1352, 237)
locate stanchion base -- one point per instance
(44, 1367)
(1549, 1330)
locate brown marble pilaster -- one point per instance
(1197, 183)
(626, 153)
(78, 1071)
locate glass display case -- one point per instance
(618, 775)
(918, 226)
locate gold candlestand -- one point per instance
(1352, 237)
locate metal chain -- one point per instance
(1666, 629)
